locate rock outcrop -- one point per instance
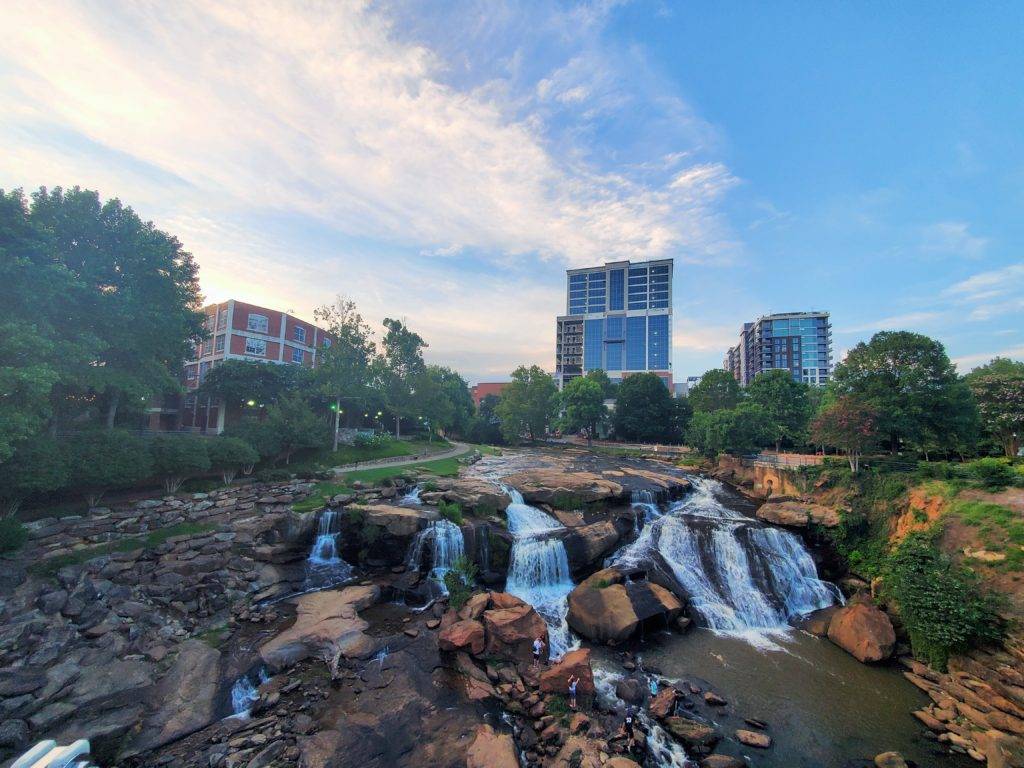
(609, 607)
(586, 545)
(466, 635)
(576, 663)
(798, 514)
(511, 630)
(863, 631)
(552, 486)
(491, 749)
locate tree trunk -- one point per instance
(337, 417)
(778, 446)
(398, 426)
(115, 399)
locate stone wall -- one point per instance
(757, 481)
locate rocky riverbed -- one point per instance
(237, 638)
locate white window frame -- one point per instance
(252, 345)
(257, 327)
(301, 355)
(218, 344)
(300, 334)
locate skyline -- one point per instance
(449, 173)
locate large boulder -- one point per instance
(474, 493)
(587, 544)
(576, 663)
(511, 631)
(396, 522)
(863, 631)
(609, 608)
(554, 486)
(325, 622)
(491, 749)
(466, 635)
(185, 697)
(798, 514)
(695, 736)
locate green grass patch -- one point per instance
(321, 494)
(50, 565)
(996, 523)
(215, 636)
(441, 467)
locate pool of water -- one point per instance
(823, 707)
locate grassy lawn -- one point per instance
(321, 494)
(50, 565)
(486, 450)
(441, 467)
(351, 454)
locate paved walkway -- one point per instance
(457, 449)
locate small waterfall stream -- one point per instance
(413, 496)
(645, 507)
(245, 691)
(324, 565)
(446, 546)
(539, 569)
(738, 574)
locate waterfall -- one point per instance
(324, 563)
(245, 691)
(446, 546)
(539, 569)
(737, 573)
(413, 496)
(644, 506)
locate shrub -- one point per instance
(991, 473)
(230, 454)
(500, 551)
(37, 466)
(451, 512)
(372, 441)
(99, 460)
(567, 501)
(12, 535)
(940, 602)
(459, 582)
(273, 475)
(175, 458)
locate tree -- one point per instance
(295, 425)
(101, 460)
(400, 365)
(178, 457)
(645, 410)
(230, 454)
(786, 402)
(485, 428)
(344, 367)
(240, 383)
(528, 403)
(39, 466)
(583, 401)
(849, 425)
(451, 406)
(743, 429)
(716, 390)
(607, 387)
(907, 379)
(998, 388)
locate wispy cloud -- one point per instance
(894, 322)
(952, 237)
(965, 363)
(988, 285)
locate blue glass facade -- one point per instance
(593, 344)
(616, 289)
(636, 343)
(657, 342)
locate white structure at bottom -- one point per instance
(47, 754)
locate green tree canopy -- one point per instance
(849, 425)
(445, 399)
(101, 460)
(716, 390)
(295, 426)
(485, 427)
(743, 429)
(528, 404)
(39, 466)
(399, 369)
(178, 457)
(344, 369)
(908, 380)
(646, 412)
(230, 454)
(786, 402)
(583, 401)
(998, 388)
(241, 382)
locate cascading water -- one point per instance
(446, 546)
(645, 508)
(539, 569)
(245, 691)
(324, 565)
(413, 496)
(738, 574)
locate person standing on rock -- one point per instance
(573, 682)
(538, 649)
(628, 725)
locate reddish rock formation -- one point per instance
(491, 750)
(574, 664)
(466, 635)
(607, 608)
(863, 631)
(511, 631)
(798, 514)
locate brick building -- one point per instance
(483, 389)
(237, 331)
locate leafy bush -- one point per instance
(991, 473)
(451, 512)
(12, 534)
(372, 441)
(230, 454)
(500, 551)
(175, 458)
(103, 459)
(941, 604)
(273, 475)
(37, 466)
(459, 582)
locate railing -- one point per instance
(783, 460)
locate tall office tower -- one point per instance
(618, 319)
(799, 342)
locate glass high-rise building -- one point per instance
(798, 342)
(618, 319)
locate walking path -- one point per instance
(457, 449)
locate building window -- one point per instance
(327, 342)
(300, 334)
(296, 355)
(616, 289)
(222, 320)
(657, 342)
(256, 347)
(190, 402)
(258, 323)
(636, 343)
(593, 342)
(218, 345)
(190, 373)
(203, 368)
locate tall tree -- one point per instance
(241, 382)
(998, 389)
(907, 379)
(786, 402)
(400, 366)
(485, 428)
(849, 425)
(447, 401)
(295, 426)
(607, 387)
(583, 401)
(645, 410)
(528, 403)
(716, 390)
(743, 429)
(343, 370)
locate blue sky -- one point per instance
(445, 163)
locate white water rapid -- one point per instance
(645, 507)
(245, 691)
(539, 569)
(324, 565)
(413, 496)
(739, 575)
(446, 545)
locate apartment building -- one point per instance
(798, 342)
(237, 331)
(618, 319)
(479, 391)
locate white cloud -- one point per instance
(894, 322)
(965, 363)
(953, 237)
(988, 285)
